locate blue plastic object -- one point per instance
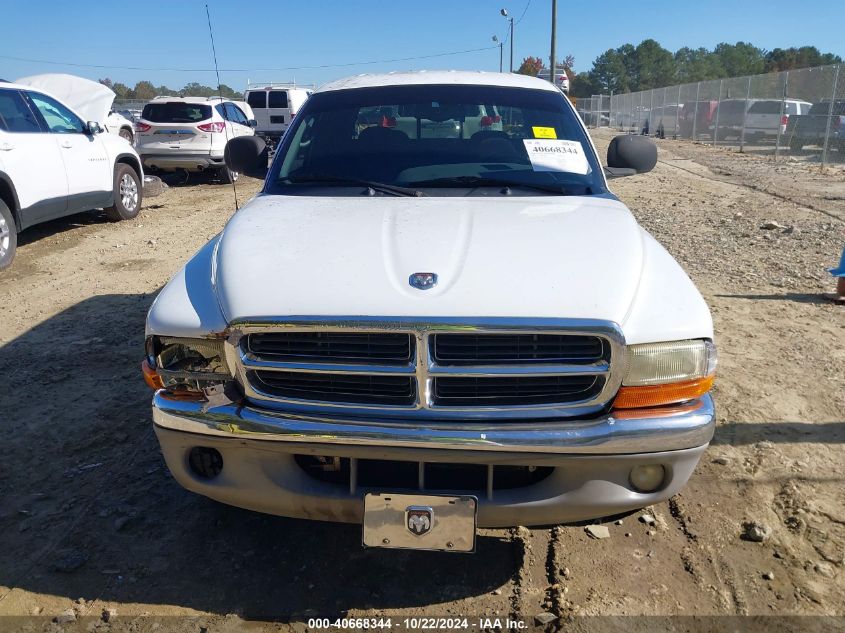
(839, 271)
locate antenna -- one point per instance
(220, 94)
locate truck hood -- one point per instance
(89, 99)
(558, 257)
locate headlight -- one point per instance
(667, 373)
(660, 363)
(186, 362)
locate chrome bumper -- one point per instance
(634, 431)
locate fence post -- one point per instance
(830, 116)
(745, 116)
(677, 113)
(782, 108)
(716, 125)
(650, 110)
(695, 114)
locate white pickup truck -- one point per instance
(430, 335)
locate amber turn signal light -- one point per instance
(151, 377)
(657, 395)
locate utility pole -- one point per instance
(501, 50)
(511, 45)
(552, 62)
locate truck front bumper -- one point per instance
(591, 459)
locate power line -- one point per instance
(524, 12)
(248, 70)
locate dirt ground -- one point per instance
(90, 519)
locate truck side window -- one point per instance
(59, 119)
(15, 115)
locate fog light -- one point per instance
(205, 462)
(647, 477)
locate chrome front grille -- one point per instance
(474, 349)
(332, 347)
(445, 369)
(503, 391)
(348, 388)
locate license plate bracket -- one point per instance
(423, 522)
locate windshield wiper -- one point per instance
(353, 182)
(481, 181)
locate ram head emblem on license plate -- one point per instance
(419, 519)
(423, 281)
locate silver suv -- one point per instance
(190, 133)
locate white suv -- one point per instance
(190, 133)
(53, 163)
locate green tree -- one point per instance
(143, 91)
(121, 90)
(581, 85)
(228, 92)
(696, 64)
(805, 57)
(610, 72)
(195, 89)
(740, 59)
(655, 66)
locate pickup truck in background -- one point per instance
(811, 128)
(767, 118)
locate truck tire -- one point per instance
(127, 134)
(8, 236)
(128, 194)
(227, 176)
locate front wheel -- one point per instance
(8, 236)
(227, 176)
(128, 194)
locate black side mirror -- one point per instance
(628, 155)
(247, 155)
(252, 123)
(92, 127)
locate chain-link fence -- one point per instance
(595, 110)
(130, 108)
(795, 113)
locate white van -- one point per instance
(275, 105)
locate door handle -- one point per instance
(5, 147)
(67, 144)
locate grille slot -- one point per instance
(502, 349)
(329, 387)
(436, 477)
(328, 347)
(462, 391)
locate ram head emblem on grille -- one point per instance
(423, 281)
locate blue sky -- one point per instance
(278, 35)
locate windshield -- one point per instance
(436, 138)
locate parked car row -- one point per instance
(796, 121)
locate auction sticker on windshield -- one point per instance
(556, 155)
(544, 132)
